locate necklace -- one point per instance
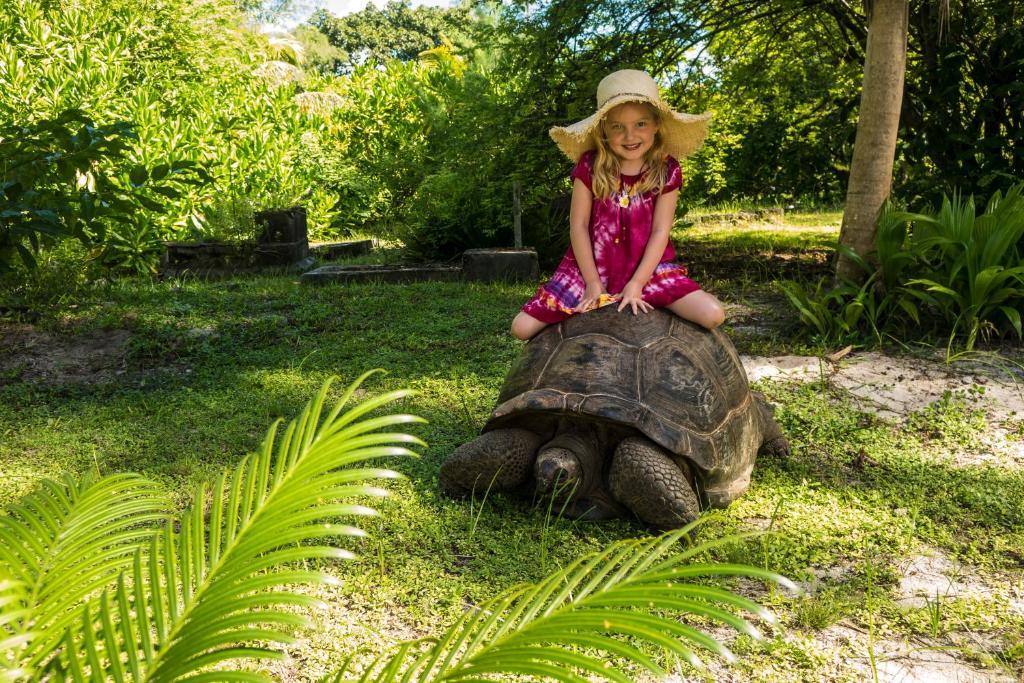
(622, 197)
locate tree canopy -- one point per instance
(398, 31)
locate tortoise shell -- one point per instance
(677, 383)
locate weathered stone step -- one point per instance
(382, 273)
(492, 265)
(478, 265)
(330, 251)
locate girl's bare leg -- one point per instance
(524, 326)
(699, 307)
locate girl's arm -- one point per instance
(661, 226)
(582, 249)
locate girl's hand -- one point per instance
(632, 297)
(590, 297)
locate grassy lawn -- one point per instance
(206, 366)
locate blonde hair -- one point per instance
(604, 179)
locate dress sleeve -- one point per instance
(584, 168)
(674, 176)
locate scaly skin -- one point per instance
(573, 457)
(651, 484)
(775, 444)
(501, 460)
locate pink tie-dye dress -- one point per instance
(619, 235)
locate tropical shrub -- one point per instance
(972, 266)
(99, 582)
(69, 177)
(953, 273)
(185, 78)
(840, 314)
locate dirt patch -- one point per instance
(920, 660)
(933, 577)
(896, 388)
(31, 355)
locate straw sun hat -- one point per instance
(683, 133)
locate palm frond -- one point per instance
(13, 613)
(568, 626)
(205, 593)
(59, 547)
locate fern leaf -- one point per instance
(203, 594)
(566, 627)
(60, 546)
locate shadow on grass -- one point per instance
(211, 365)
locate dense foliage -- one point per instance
(183, 79)
(417, 123)
(950, 272)
(60, 179)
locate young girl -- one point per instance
(625, 187)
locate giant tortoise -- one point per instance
(612, 414)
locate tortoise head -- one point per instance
(568, 465)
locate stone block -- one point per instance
(336, 250)
(281, 253)
(281, 225)
(492, 265)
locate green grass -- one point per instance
(210, 365)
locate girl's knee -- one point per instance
(525, 326)
(714, 315)
(701, 308)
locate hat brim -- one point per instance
(683, 134)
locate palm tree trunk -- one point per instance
(877, 124)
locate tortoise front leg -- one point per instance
(500, 460)
(653, 485)
(774, 443)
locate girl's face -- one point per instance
(630, 129)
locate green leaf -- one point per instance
(138, 176)
(168, 192)
(536, 630)
(911, 310)
(1013, 315)
(202, 593)
(68, 540)
(26, 256)
(151, 204)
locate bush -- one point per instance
(183, 77)
(69, 177)
(952, 273)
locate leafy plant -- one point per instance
(838, 314)
(133, 247)
(954, 272)
(226, 218)
(182, 596)
(59, 178)
(69, 177)
(178, 75)
(973, 265)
